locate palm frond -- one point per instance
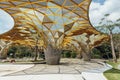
(106, 15)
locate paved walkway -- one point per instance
(69, 69)
(67, 66)
(44, 77)
(96, 74)
(13, 68)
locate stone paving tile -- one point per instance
(66, 69)
(16, 78)
(51, 69)
(36, 68)
(18, 73)
(73, 77)
(69, 69)
(45, 77)
(13, 68)
(67, 66)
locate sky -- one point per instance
(97, 10)
(99, 1)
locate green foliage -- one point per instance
(20, 51)
(115, 65)
(42, 55)
(114, 73)
(12, 51)
(73, 54)
(96, 53)
(102, 51)
(68, 54)
(106, 25)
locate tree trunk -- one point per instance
(52, 55)
(112, 47)
(119, 52)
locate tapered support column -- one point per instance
(52, 55)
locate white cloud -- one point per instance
(98, 10)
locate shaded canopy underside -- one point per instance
(61, 23)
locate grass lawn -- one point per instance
(114, 73)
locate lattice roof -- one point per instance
(59, 22)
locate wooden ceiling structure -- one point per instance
(62, 23)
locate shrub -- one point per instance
(73, 54)
(19, 51)
(68, 54)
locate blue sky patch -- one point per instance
(99, 1)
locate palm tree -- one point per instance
(118, 22)
(107, 26)
(116, 38)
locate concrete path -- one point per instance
(69, 69)
(96, 74)
(44, 77)
(67, 66)
(12, 68)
